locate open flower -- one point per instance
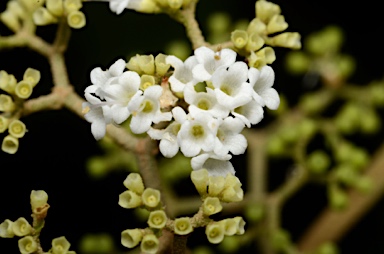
(229, 139)
(182, 74)
(215, 164)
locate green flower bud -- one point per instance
(151, 197)
(183, 226)
(264, 56)
(175, 4)
(146, 81)
(200, 179)
(255, 42)
(232, 194)
(219, 22)
(55, 7)
(27, 245)
(307, 128)
(6, 103)
(348, 118)
(239, 38)
(31, 75)
(72, 5)
(346, 65)
(215, 185)
(211, 206)
(21, 227)
(4, 122)
(338, 199)
(370, 122)
(147, 64)
(17, 128)
(297, 62)
(133, 64)
(6, 229)
(161, 66)
(96, 244)
(327, 248)
(359, 158)
(157, 219)
(131, 237)
(256, 26)
(344, 152)
(364, 184)
(23, 90)
(42, 17)
(129, 199)
(31, 5)
(76, 19)
(38, 198)
(149, 244)
(276, 24)
(281, 239)
(266, 10)
(346, 174)
(254, 212)
(231, 181)
(290, 134)
(10, 144)
(178, 48)
(276, 146)
(376, 92)
(215, 232)
(60, 245)
(287, 40)
(318, 162)
(134, 182)
(230, 244)
(10, 20)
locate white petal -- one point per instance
(118, 67)
(155, 133)
(168, 148)
(120, 114)
(266, 79)
(236, 144)
(271, 98)
(98, 76)
(179, 114)
(98, 129)
(140, 123)
(200, 73)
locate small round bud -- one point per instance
(364, 184)
(239, 38)
(17, 128)
(281, 239)
(161, 66)
(55, 7)
(338, 199)
(38, 198)
(146, 81)
(149, 244)
(6, 103)
(10, 144)
(230, 226)
(129, 199)
(266, 10)
(254, 212)
(256, 26)
(72, 5)
(318, 162)
(134, 182)
(200, 179)
(327, 248)
(60, 245)
(96, 244)
(276, 146)
(157, 219)
(147, 64)
(27, 245)
(133, 64)
(297, 62)
(346, 174)
(183, 226)
(370, 122)
(131, 237)
(287, 40)
(3, 124)
(230, 244)
(211, 206)
(215, 232)
(76, 19)
(21, 227)
(254, 42)
(23, 89)
(276, 24)
(151, 197)
(232, 194)
(6, 229)
(31, 75)
(215, 185)
(43, 17)
(10, 20)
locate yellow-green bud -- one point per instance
(161, 66)
(254, 212)
(360, 158)
(148, 6)
(32, 76)
(376, 92)
(149, 244)
(211, 206)
(232, 194)
(262, 57)
(297, 62)
(219, 22)
(276, 24)
(147, 64)
(183, 226)
(23, 89)
(134, 182)
(215, 185)
(230, 226)
(146, 81)
(55, 7)
(6, 103)
(327, 248)
(215, 232)
(178, 48)
(200, 179)
(27, 245)
(255, 42)
(38, 198)
(4, 77)
(240, 225)
(6, 229)
(307, 128)
(287, 40)
(76, 19)
(10, 86)
(31, 5)
(16, 8)
(175, 4)
(364, 184)
(42, 17)
(131, 237)
(346, 174)
(72, 5)
(10, 20)
(266, 10)
(17, 128)
(338, 199)
(10, 144)
(151, 197)
(21, 227)
(157, 219)
(96, 244)
(256, 26)
(4, 122)
(231, 181)
(370, 122)
(318, 162)
(60, 245)
(230, 244)
(281, 239)
(275, 146)
(133, 64)
(129, 199)
(239, 38)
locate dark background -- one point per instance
(53, 153)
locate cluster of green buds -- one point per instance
(262, 31)
(30, 243)
(17, 11)
(10, 104)
(55, 10)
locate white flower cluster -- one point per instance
(232, 97)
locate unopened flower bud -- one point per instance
(230, 226)
(147, 64)
(161, 66)
(200, 180)
(287, 40)
(4, 122)
(21, 227)
(17, 128)
(6, 103)
(255, 42)
(10, 20)
(277, 24)
(175, 4)
(183, 226)
(256, 26)
(318, 162)
(38, 198)
(133, 64)
(266, 10)
(27, 245)
(55, 7)
(10, 144)
(239, 38)
(240, 223)
(146, 81)
(232, 194)
(134, 182)
(129, 199)
(338, 199)
(151, 197)
(60, 245)
(215, 232)
(6, 229)
(131, 237)
(16, 8)
(72, 5)
(43, 17)
(211, 206)
(32, 76)
(215, 185)
(23, 89)
(149, 244)
(157, 219)
(76, 19)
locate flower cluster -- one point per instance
(222, 96)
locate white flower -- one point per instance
(182, 74)
(231, 87)
(250, 113)
(216, 165)
(145, 109)
(229, 139)
(262, 82)
(197, 134)
(209, 61)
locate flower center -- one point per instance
(226, 89)
(147, 107)
(197, 131)
(203, 104)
